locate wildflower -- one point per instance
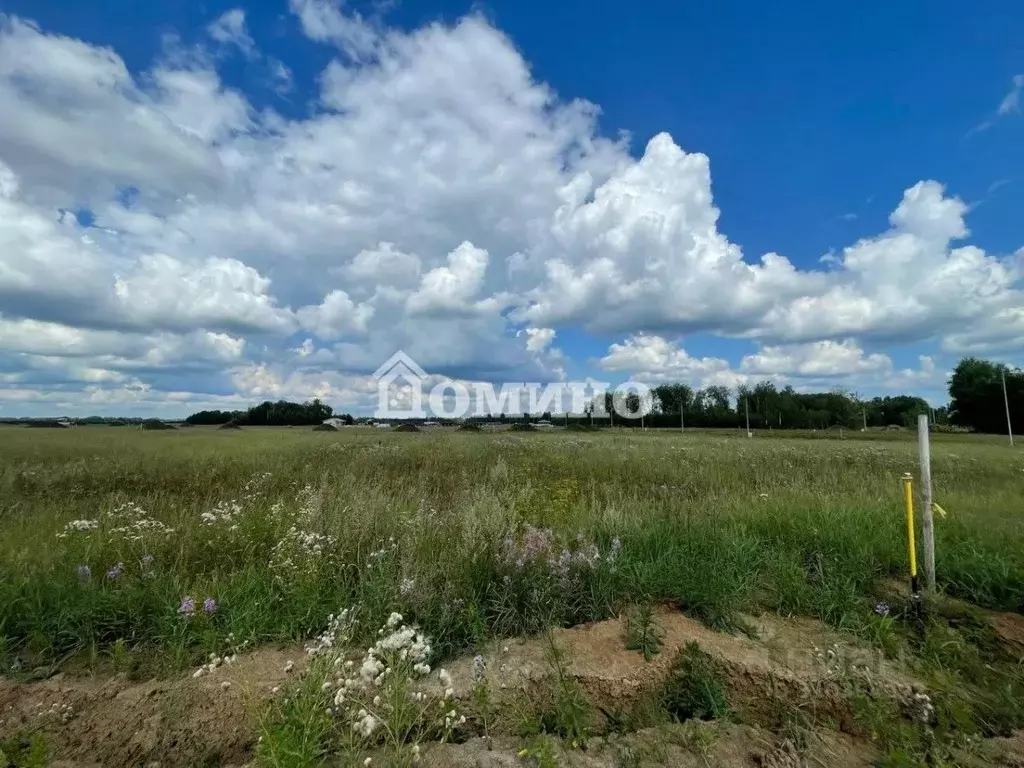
(394, 620)
(616, 546)
(367, 726)
(115, 571)
(225, 685)
(445, 678)
(276, 689)
(882, 609)
(209, 606)
(187, 607)
(289, 666)
(479, 668)
(84, 573)
(79, 526)
(147, 561)
(367, 761)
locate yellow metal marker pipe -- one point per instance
(908, 495)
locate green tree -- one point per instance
(976, 395)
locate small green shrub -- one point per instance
(694, 688)
(643, 632)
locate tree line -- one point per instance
(976, 402)
(271, 414)
(770, 407)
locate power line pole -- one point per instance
(1006, 402)
(682, 418)
(746, 407)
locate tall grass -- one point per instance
(428, 524)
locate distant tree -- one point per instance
(673, 398)
(976, 396)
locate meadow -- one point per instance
(161, 545)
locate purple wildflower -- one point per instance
(209, 606)
(187, 607)
(84, 572)
(882, 609)
(115, 571)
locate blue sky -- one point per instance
(302, 175)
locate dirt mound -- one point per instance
(156, 424)
(406, 428)
(522, 428)
(685, 745)
(181, 722)
(325, 428)
(230, 425)
(1009, 627)
(795, 659)
(780, 666)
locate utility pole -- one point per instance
(746, 407)
(682, 419)
(1006, 402)
(864, 413)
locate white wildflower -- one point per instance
(368, 725)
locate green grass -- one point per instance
(418, 523)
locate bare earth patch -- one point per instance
(110, 721)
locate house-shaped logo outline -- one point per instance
(400, 366)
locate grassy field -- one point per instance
(162, 544)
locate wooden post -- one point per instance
(1006, 402)
(927, 522)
